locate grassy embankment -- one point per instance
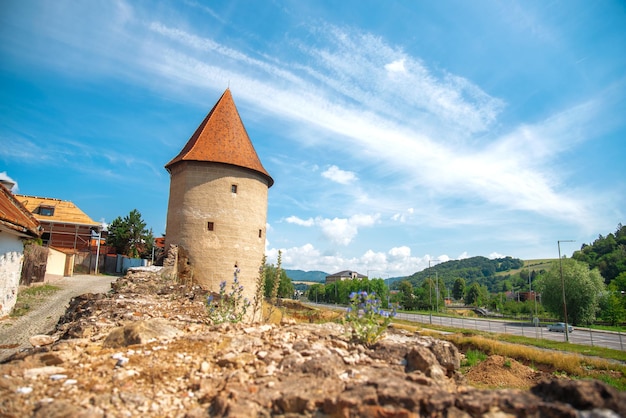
(560, 358)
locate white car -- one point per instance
(560, 327)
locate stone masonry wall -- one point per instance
(201, 193)
(11, 258)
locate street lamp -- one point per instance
(558, 243)
(96, 233)
(530, 290)
(430, 285)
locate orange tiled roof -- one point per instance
(64, 210)
(222, 138)
(13, 215)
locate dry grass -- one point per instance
(560, 363)
(572, 364)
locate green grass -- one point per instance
(473, 357)
(537, 265)
(30, 297)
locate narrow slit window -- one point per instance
(233, 188)
(260, 233)
(210, 226)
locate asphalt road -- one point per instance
(15, 332)
(583, 336)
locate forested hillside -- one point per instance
(481, 270)
(607, 253)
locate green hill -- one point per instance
(491, 273)
(306, 276)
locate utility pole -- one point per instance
(563, 288)
(430, 285)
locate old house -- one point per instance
(217, 210)
(67, 232)
(344, 275)
(16, 225)
(64, 224)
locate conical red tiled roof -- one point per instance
(222, 138)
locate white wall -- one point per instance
(11, 258)
(55, 265)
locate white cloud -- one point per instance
(301, 222)
(396, 262)
(340, 231)
(338, 175)
(343, 230)
(396, 66)
(399, 252)
(402, 217)
(5, 178)
(494, 255)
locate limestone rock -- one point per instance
(140, 332)
(40, 340)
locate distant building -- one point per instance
(217, 209)
(65, 226)
(16, 225)
(344, 275)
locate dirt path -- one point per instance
(14, 332)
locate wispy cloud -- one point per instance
(421, 136)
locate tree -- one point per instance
(612, 307)
(129, 236)
(285, 286)
(407, 298)
(473, 295)
(458, 290)
(583, 288)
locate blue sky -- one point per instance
(396, 132)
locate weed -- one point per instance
(231, 307)
(274, 293)
(29, 297)
(365, 318)
(507, 363)
(257, 305)
(473, 357)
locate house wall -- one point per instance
(200, 192)
(55, 268)
(11, 258)
(67, 235)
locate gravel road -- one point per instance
(14, 332)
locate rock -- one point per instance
(140, 333)
(235, 370)
(40, 340)
(43, 371)
(582, 394)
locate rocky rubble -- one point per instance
(146, 349)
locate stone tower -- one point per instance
(217, 210)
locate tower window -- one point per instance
(210, 226)
(260, 233)
(233, 188)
